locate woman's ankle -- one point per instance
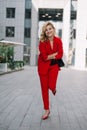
(46, 114)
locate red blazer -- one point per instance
(45, 50)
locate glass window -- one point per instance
(10, 12)
(28, 13)
(60, 33)
(74, 33)
(73, 15)
(10, 31)
(27, 32)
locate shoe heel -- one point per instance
(45, 117)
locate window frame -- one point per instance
(9, 31)
(27, 32)
(27, 13)
(10, 12)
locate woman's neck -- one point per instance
(51, 38)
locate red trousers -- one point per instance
(48, 81)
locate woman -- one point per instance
(50, 47)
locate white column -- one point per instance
(66, 29)
(81, 41)
(34, 33)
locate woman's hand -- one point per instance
(52, 56)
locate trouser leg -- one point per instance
(53, 75)
(45, 90)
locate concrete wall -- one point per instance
(34, 25)
(17, 22)
(81, 40)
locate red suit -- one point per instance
(47, 73)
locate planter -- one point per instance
(3, 67)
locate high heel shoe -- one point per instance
(54, 92)
(46, 116)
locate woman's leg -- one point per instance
(53, 75)
(45, 90)
(45, 95)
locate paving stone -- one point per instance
(21, 104)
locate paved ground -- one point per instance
(21, 105)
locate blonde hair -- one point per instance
(43, 36)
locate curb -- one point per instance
(8, 72)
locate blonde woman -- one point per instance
(50, 47)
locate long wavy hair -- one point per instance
(43, 36)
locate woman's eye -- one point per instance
(49, 28)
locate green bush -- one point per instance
(6, 53)
(15, 64)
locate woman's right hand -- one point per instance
(52, 56)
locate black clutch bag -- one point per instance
(57, 61)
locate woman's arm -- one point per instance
(43, 53)
(60, 49)
(52, 56)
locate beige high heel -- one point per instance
(46, 116)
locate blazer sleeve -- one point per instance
(60, 49)
(42, 49)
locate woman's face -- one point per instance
(49, 31)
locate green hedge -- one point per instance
(15, 64)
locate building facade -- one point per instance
(21, 20)
(15, 23)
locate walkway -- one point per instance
(21, 105)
